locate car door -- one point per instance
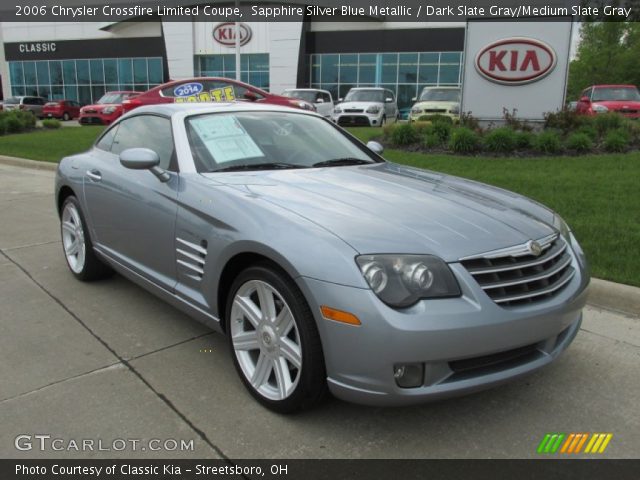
(389, 107)
(326, 107)
(132, 213)
(582, 106)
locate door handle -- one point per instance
(94, 175)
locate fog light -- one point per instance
(409, 375)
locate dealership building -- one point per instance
(81, 61)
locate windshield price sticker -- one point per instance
(225, 138)
(225, 94)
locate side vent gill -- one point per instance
(191, 258)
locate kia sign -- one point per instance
(518, 66)
(515, 61)
(225, 34)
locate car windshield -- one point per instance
(440, 95)
(270, 140)
(112, 98)
(365, 96)
(306, 95)
(615, 93)
(12, 101)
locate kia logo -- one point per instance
(225, 34)
(516, 61)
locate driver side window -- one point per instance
(147, 131)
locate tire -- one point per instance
(276, 350)
(66, 117)
(77, 246)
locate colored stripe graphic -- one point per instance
(573, 443)
(550, 443)
(598, 443)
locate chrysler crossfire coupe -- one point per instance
(328, 268)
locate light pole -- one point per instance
(238, 45)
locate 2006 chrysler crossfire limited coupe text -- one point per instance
(327, 267)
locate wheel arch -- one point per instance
(63, 193)
(239, 261)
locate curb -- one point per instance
(602, 293)
(614, 296)
(24, 163)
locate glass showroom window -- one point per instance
(84, 81)
(404, 73)
(254, 67)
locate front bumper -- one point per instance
(465, 344)
(353, 119)
(415, 117)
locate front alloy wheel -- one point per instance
(76, 243)
(274, 339)
(73, 238)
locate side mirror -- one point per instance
(249, 95)
(585, 99)
(319, 100)
(376, 147)
(340, 99)
(388, 100)
(143, 159)
(413, 99)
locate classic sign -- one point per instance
(225, 34)
(516, 61)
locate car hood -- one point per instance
(434, 105)
(101, 106)
(389, 208)
(619, 104)
(359, 105)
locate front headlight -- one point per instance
(561, 226)
(600, 109)
(402, 280)
(337, 110)
(416, 111)
(373, 109)
(109, 110)
(455, 110)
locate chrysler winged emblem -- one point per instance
(534, 247)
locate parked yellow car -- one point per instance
(437, 101)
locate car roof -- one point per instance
(441, 88)
(613, 86)
(170, 109)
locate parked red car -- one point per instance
(64, 109)
(624, 99)
(105, 110)
(211, 89)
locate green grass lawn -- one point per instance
(49, 145)
(598, 195)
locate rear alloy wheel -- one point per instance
(66, 117)
(77, 246)
(274, 340)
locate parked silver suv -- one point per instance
(366, 106)
(31, 104)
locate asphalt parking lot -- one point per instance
(109, 361)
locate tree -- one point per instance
(608, 53)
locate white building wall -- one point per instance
(53, 31)
(179, 42)
(281, 40)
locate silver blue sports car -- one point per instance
(327, 267)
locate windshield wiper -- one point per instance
(337, 162)
(259, 166)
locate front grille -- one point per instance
(496, 362)
(514, 276)
(350, 120)
(627, 110)
(353, 110)
(435, 110)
